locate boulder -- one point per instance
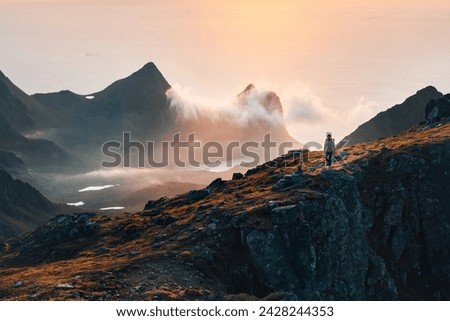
(255, 170)
(195, 196)
(215, 184)
(154, 203)
(237, 176)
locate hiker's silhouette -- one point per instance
(328, 149)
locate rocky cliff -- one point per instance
(373, 227)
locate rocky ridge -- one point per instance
(374, 227)
(394, 120)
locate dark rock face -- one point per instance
(281, 263)
(382, 234)
(297, 179)
(408, 220)
(394, 120)
(437, 109)
(316, 249)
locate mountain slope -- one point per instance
(9, 161)
(67, 107)
(39, 154)
(14, 166)
(23, 112)
(394, 120)
(22, 208)
(375, 227)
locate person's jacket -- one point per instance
(329, 145)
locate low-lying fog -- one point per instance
(122, 189)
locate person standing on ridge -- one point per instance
(328, 149)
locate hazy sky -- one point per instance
(333, 63)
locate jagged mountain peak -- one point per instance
(249, 88)
(268, 99)
(427, 90)
(145, 81)
(149, 70)
(149, 67)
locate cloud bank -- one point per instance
(306, 116)
(241, 110)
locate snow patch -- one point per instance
(95, 188)
(112, 208)
(76, 204)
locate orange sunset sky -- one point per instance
(334, 64)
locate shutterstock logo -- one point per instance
(191, 153)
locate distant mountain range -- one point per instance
(62, 133)
(138, 104)
(395, 119)
(72, 128)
